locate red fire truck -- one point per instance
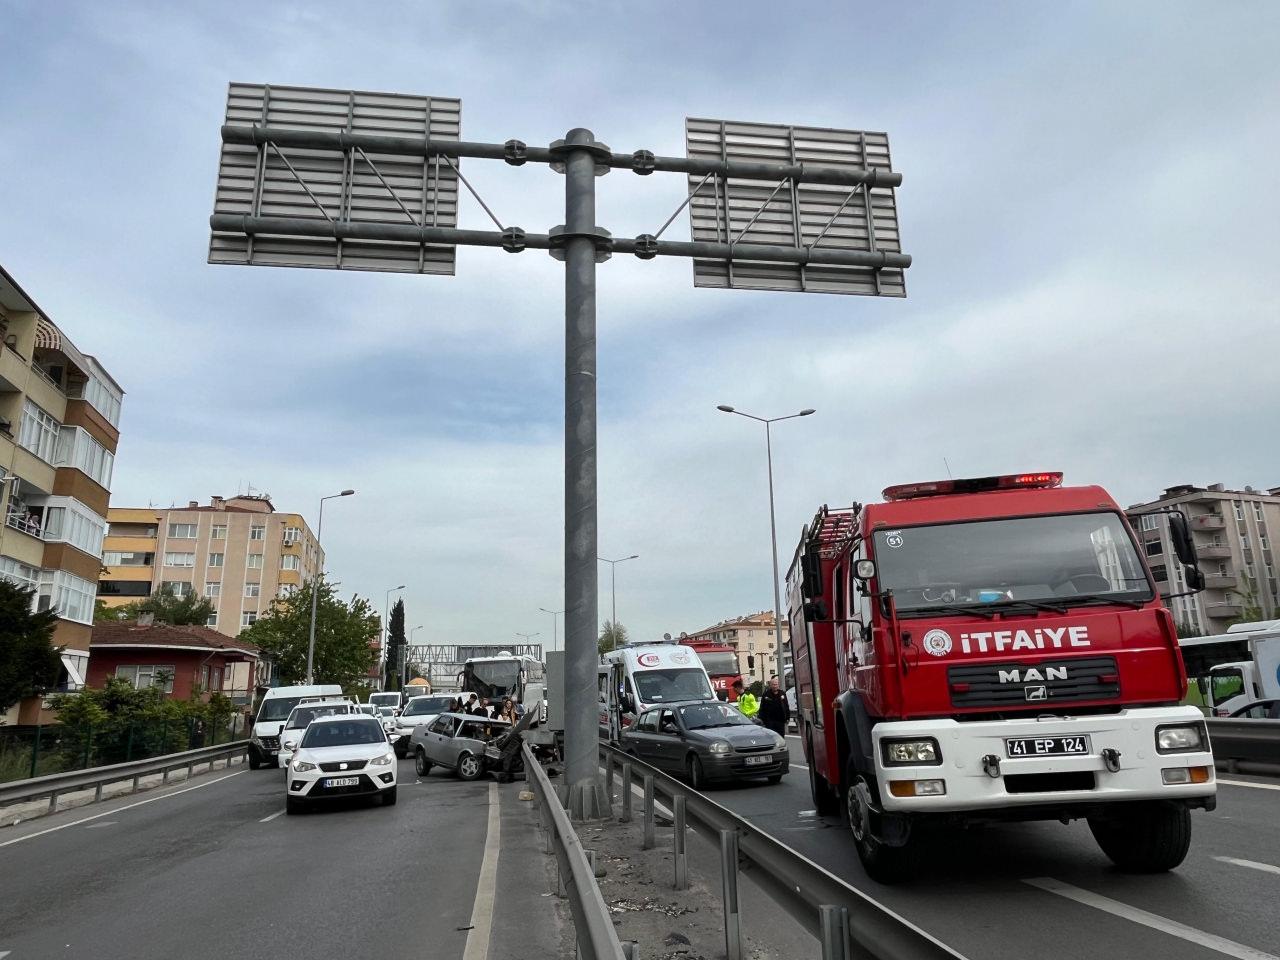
(994, 649)
(721, 661)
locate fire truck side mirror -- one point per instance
(816, 611)
(810, 575)
(864, 570)
(1195, 578)
(1180, 534)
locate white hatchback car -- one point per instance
(343, 756)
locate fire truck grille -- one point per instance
(1046, 682)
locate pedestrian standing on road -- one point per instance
(747, 701)
(481, 709)
(471, 705)
(508, 711)
(774, 711)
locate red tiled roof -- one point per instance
(129, 634)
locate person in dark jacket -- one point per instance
(774, 711)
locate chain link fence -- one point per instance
(36, 751)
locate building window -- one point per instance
(72, 522)
(76, 448)
(1154, 548)
(71, 597)
(215, 559)
(1150, 521)
(212, 621)
(257, 532)
(1257, 511)
(219, 532)
(213, 589)
(119, 558)
(15, 571)
(248, 618)
(182, 531)
(179, 559)
(142, 676)
(290, 562)
(1239, 510)
(287, 590)
(252, 589)
(254, 561)
(103, 399)
(292, 535)
(1159, 572)
(179, 588)
(39, 432)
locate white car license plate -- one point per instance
(759, 761)
(342, 781)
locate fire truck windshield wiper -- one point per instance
(978, 609)
(1034, 604)
(1093, 599)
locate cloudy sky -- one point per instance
(1089, 195)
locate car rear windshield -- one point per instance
(703, 716)
(425, 706)
(277, 708)
(663, 686)
(304, 715)
(384, 699)
(343, 733)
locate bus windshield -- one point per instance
(664, 686)
(1064, 559)
(493, 679)
(720, 663)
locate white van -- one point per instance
(637, 676)
(273, 711)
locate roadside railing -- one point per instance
(575, 869)
(58, 784)
(846, 921)
(1244, 741)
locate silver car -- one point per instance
(455, 741)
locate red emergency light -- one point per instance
(938, 488)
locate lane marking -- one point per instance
(99, 816)
(272, 817)
(104, 823)
(1246, 783)
(1114, 907)
(1251, 864)
(477, 947)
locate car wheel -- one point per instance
(693, 768)
(401, 750)
(421, 763)
(293, 805)
(389, 797)
(470, 767)
(254, 762)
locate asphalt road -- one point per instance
(213, 869)
(974, 891)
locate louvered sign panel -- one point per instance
(337, 185)
(816, 215)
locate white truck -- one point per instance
(1251, 673)
(636, 676)
(273, 711)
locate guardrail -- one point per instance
(56, 784)
(845, 920)
(592, 922)
(1248, 741)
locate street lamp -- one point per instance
(555, 625)
(613, 582)
(315, 587)
(773, 524)
(386, 619)
(404, 666)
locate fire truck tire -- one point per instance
(883, 863)
(1145, 838)
(825, 800)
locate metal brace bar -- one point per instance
(466, 184)
(768, 200)
(302, 183)
(687, 199)
(835, 216)
(381, 179)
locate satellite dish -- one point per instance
(666, 636)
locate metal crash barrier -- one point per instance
(1244, 741)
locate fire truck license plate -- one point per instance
(1046, 746)
(342, 781)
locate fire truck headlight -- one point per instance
(1180, 739)
(899, 753)
(720, 747)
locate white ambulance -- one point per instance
(637, 676)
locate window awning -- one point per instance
(49, 337)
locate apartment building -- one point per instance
(59, 427)
(237, 551)
(1232, 530)
(752, 636)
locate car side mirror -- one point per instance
(290, 744)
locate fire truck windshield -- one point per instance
(720, 663)
(1051, 558)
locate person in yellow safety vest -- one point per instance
(747, 702)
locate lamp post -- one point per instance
(386, 619)
(404, 667)
(613, 583)
(773, 525)
(315, 588)
(555, 624)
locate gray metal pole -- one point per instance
(613, 591)
(585, 799)
(315, 595)
(773, 534)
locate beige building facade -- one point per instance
(1232, 530)
(239, 552)
(751, 636)
(59, 428)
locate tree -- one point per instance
(29, 662)
(167, 607)
(395, 647)
(343, 634)
(612, 636)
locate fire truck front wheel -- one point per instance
(883, 863)
(1144, 837)
(825, 800)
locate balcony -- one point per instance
(1210, 521)
(1223, 611)
(29, 522)
(1221, 581)
(1214, 551)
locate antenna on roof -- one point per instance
(948, 466)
